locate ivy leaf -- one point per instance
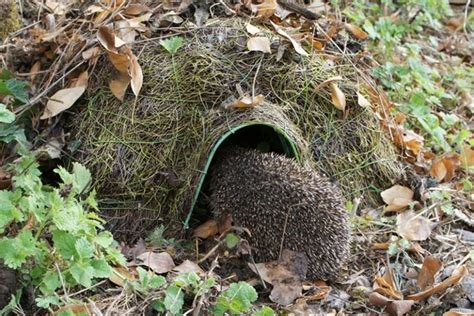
(6, 116)
(172, 44)
(174, 299)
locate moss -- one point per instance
(149, 155)
(9, 18)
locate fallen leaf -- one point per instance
(136, 9)
(444, 169)
(120, 275)
(253, 30)
(378, 299)
(319, 289)
(456, 277)
(467, 157)
(34, 70)
(158, 262)
(92, 52)
(81, 80)
(73, 309)
(119, 85)
(136, 74)
(265, 9)
(189, 266)
(62, 100)
(337, 96)
(362, 101)
(459, 312)
(385, 285)
(245, 102)
(397, 197)
(206, 230)
(399, 308)
(413, 226)
(296, 45)
(106, 38)
(431, 266)
(356, 31)
(259, 44)
(120, 61)
(285, 275)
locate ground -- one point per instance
(405, 65)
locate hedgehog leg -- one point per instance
(284, 205)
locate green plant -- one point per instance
(237, 299)
(52, 234)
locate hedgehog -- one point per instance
(284, 206)
(8, 285)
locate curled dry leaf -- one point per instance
(356, 31)
(265, 9)
(413, 226)
(467, 157)
(444, 169)
(119, 85)
(62, 100)
(259, 44)
(397, 197)
(74, 309)
(327, 82)
(34, 70)
(253, 30)
(408, 139)
(459, 312)
(362, 101)
(136, 74)
(158, 262)
(136, 9)
(189, 266)
(337, 96)
(92, 52)
(385, 285)
(456, 277)
(246, 102)
(431, 266)
(206, 230)
(120, 275)
(296, 45)
(319, 289)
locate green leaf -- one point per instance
(264, 311)
(82, 273)
(231, 240)
(82, 177)
(65, 243)
(174, 299)
(84, 248)
(6, 116)
(187, 279)
(15, 251)
(101, 268)
(51, 282)
(172, 44)
(237, 299)
(46, 301)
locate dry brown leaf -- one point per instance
(107, 39)
(120, 275)
(259, 44)
(362, 101)
(337, 96)
(409, 139)
(81, 80)
(444, 169)
(189, 266)
(378, 299)
(246, 102)
(121, 62)
(136, 74)
(265, 9)
(320, 290)
(399, 308)
(296, 45)
(431, 266)
(34, 70)
(158, 262)
(356, 31)
(74, 309)
(413, 226)
(91, 53)
(467, 157)
(136, 9)
(119, 85)
(206, 230)
(397, 197)
(459, 312)
(62, 100)
(454, 279)
(287, 285)
(385, 285)
(253, 30)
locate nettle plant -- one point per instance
(52, 233)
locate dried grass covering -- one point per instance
(148, 156)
